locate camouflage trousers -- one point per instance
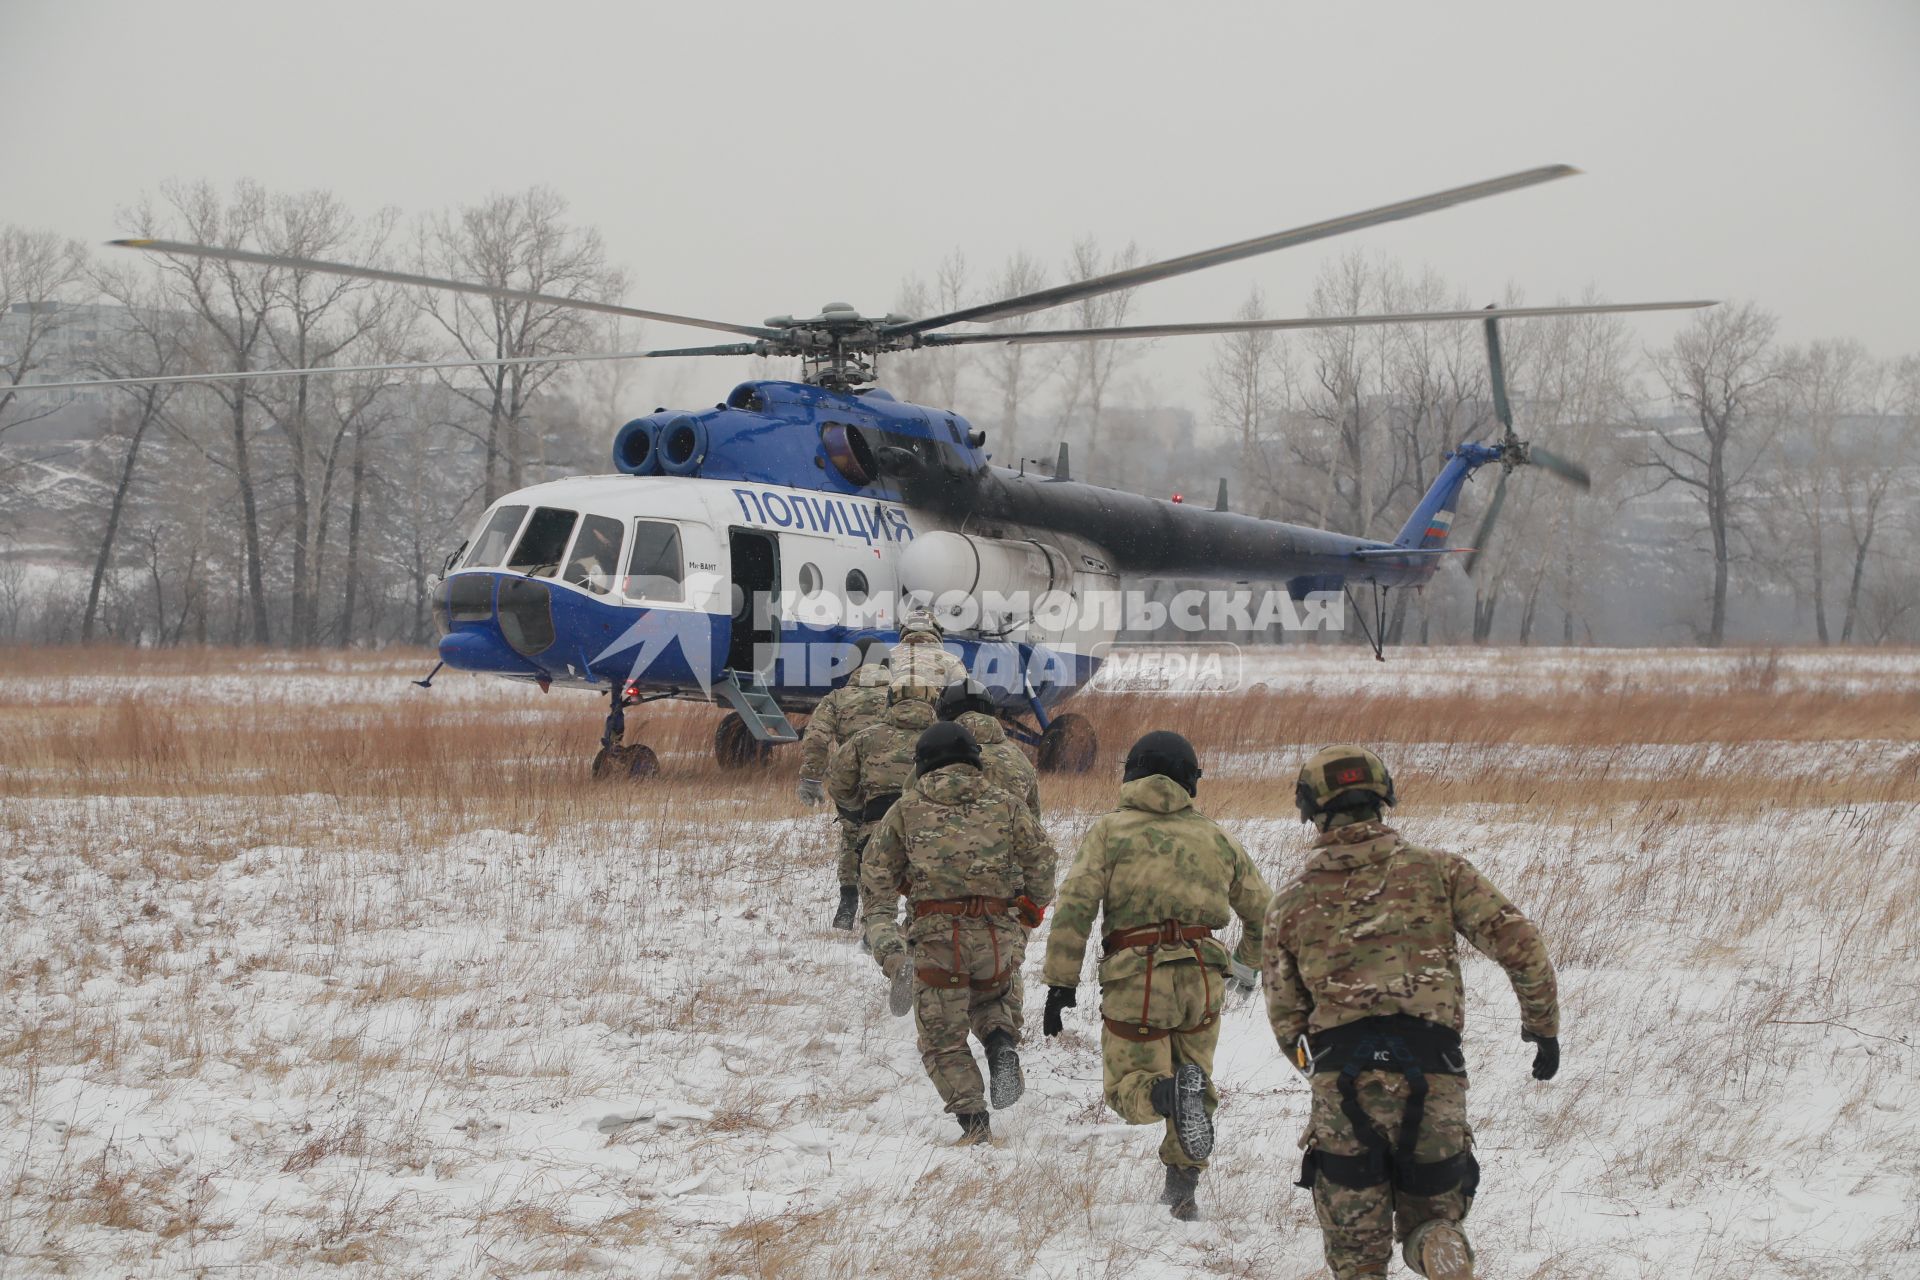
(988, 951)
(1359, 1226)
(1183, 994)
(852, 834)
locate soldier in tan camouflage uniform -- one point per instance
(977, 872)
(1364, 993)
(1166, 878)
(1006, 765)
(855, 705)
(867, 772)
(921, 656)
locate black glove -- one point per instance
(1058, 998)
(1546, 1054)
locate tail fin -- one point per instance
(1432, 520)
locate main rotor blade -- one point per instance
(432, 282)
(1132, 277)
(1306, 322)
(1486, 522)
(246, 375)
(1497, 370)
(1565, 468)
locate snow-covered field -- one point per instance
(306, 969)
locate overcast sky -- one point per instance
(744, 160)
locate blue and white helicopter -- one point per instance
(741, 554)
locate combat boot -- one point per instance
(849, 904)
(1442, 1250)
(975, 1127)
(1181, 1194)
(1182, 1098)
(1007, 1082)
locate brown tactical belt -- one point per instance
(1166, 932)
(975, 906)
(957, 908)
(1141, 1034)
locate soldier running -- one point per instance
(855, 705)
(1364, 993)
(1166, 877)
(977, 872)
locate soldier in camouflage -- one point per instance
(921, 656)
(1165, 878)
(867, 772)
(977, 872)
(854, 706)
(1364, 993)
(1005, 764)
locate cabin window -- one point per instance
(596, 555)
(544, 542)
(490, 548)
(856, 587)
(654, 569)
(810, 579)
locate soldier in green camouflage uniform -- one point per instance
(1006, 765)
(1364, 993)
(977, 872)
(854, 706)
(1166, 878)
(867, 772)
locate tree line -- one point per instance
(1744, 487)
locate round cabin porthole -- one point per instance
(809, 579)
(856, 587)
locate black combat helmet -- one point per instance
(961, 697)
(944, 744)
(1164, 751)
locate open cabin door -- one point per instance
(755, 561)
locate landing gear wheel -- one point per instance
(626, 762)
(735, 747)
(1069, 745)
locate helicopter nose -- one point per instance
(474, 636)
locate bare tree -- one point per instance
(152, 342)
(1090, 366)
(1016, 370)
(232, 303)
(1869, 465)
(1719, 370)
(520, 241)
(1248, 391)
(38, 270)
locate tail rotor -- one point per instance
(1513, 451)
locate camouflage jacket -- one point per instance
(1005, 764)
(856, 704)
(921, 659)
(1155, 858)
(1368, 929)
(879, 758)
(953, 835)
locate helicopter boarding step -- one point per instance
(744, 692)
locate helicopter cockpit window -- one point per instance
(654, 569)
(596, 555)
(544, 542)
(490, 548)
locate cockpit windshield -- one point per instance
(490, 547)
(544, 542)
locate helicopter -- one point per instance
(744, 555)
